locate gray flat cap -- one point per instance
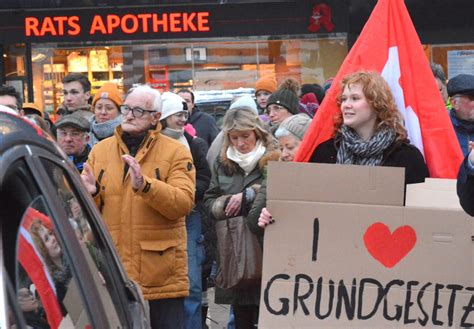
(461, 84)
(74, 120)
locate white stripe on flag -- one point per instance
(26, 235)
(391, 73)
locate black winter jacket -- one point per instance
(465, 187)
(399, 154)
(199, 148)
(205, 125)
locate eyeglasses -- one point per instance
(137, 112)
(73, 134)
(182, 115)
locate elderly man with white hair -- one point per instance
(144, 183)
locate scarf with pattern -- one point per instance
(353, 150)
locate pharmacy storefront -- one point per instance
(206, 47)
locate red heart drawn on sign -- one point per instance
(389, 248)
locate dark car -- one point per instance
(58, 266)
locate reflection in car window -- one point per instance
(94, 251)
(46, 291)
(12, 318)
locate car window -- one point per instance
(94, 249)
(11, 316)
(47, 290)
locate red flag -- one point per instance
(36, 268)
(389, 44)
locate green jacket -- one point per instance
(229, 179)
(259, 203)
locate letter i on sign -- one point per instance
(314, 253)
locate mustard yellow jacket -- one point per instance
(148, 225)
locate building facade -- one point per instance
(204, 45)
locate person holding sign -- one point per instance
(369, 130)
(289, 134)
(237, 175)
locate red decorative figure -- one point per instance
(322, 16)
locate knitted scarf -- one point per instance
(354, 150)
(99, 131)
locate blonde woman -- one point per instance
(238, 172)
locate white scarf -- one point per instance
(246, 161)
(176, 134)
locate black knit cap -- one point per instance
(286, 96)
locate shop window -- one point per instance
(100, 65)
(455, 59)
(214, 65)
(15, 70)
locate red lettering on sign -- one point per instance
(128, 24)
(124, 24)
(74, 27)
(203, 21)
(48, 27)
(188, 22)
(175, 22)
(31, 26)
(145, 18)
(113, 21)
(163, 22)
(97, 25)
(60, 20)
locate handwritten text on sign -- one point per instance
(321, 298)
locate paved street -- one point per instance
(217, 315)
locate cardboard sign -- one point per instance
(350, 255)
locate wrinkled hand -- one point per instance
(135, 171)
(233, 206)
(265, 218)
(88, 179)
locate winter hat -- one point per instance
(309, 98)
(75, 120)
(314, 88)
(309, 104)
(296, 124)
(244, 101)
(32, 108)
(286, 96)
(327, 84)
(461, 84)
(172, 104)
(110, 91)
(266, 83)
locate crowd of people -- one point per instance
(162, 174)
